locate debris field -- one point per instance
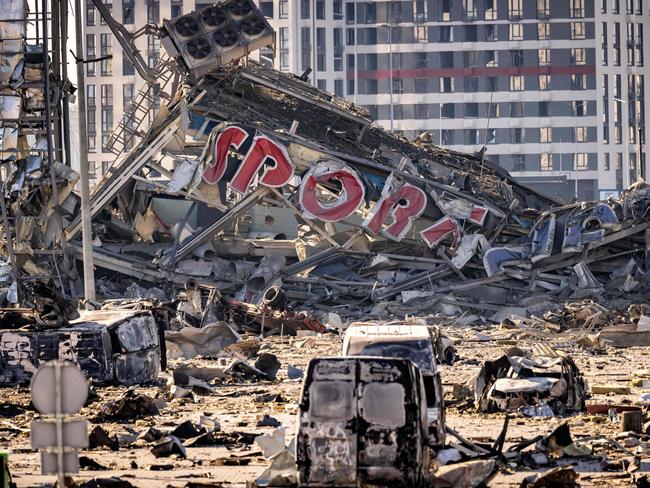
(241, 238)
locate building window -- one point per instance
(490, 10)
(492, 84)
(471, 84)
(471, 136)
(421, 85)
(516, 32)
(284, 48)
(516, 109)
(91, 123)
(109, 6)
(322, 85)
(546, 162)
(421, 33)
(543, 9)
(516, 135)
(491, 32)
(518, 162)
(366, 12)
(284, 9)
(578, 82)
(446, 85)
(544, 57)
(616, 46)
(580, 162)
(420, 10)
(446, 34)
(639, 44)
(128, 13)
(445, 10)
(421, 60)
(639, 7)
(90, 54)
(447, 111)
(544, 82)
(127, 66)
(630, 7)
(630, 44)
(516, 58)
(421, 111)
(320, 49)
(320, 9)
(469, 9)
(578, 56)
(616, 6)
(338, 88)
(470, 110)
(542, 109)
(579, 108)
(106, 65)
(491, 136)
(606, 165)
(153, 50)
(398, 86)
(578, 30)
(578, 9)
(90, 12)
(107, 114)
(153, 11)
(338, 49)
(603, 45)
(351, 87)
(580, 134)
(603, 6)
(305, 48)
(545, 135)
(177, 8)
(544, 31)
(92, 169)
(337, 9)
(515, 9)
(516, 83)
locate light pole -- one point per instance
(390, 69)
(626, 168)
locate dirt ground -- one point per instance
(238, 409)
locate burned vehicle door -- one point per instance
(362, 423)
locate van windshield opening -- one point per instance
(417, 351)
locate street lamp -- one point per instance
(390, 69)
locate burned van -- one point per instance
(362, 422)
(416, 343)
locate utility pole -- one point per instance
(86, 227)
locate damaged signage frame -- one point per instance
(331, 190)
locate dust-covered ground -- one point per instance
(239, 406)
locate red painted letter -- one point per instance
(441, 229)
(404, 205)
(352, 192)
(232, 136)
(275, 175)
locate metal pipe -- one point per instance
(86, 218)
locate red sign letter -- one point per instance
(232, 136)
(351, 196)
(275, 175)
(441, 229)
(404, 205)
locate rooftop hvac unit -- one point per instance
(217, 35)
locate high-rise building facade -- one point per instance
(554, 88)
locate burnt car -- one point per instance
(362, 422)
(416, 343)
(544, 383)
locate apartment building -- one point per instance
(554, 88)
(111, 84)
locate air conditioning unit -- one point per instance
(218, 35)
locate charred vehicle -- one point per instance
(540, 383)
(417, 343)
(362, 422)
